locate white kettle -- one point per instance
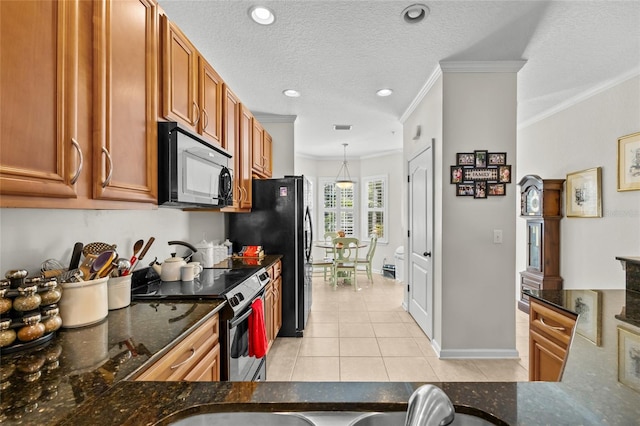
(171, 268)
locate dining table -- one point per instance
(329, 246)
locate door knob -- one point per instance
(427, 254)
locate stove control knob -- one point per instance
(239, 296)
(234, 301)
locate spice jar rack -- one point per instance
(29, 314)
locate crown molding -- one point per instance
(482, 66)
(580, 98)
(435, 75)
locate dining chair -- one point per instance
(367, 261)
(345, 263)
(327, 262)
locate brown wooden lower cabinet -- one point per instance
(550, 334)
(273, 303)
(196, 358)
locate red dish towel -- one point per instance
(257, 330)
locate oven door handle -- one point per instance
(234, 323)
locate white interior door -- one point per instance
(420, 277)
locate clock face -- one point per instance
(532, 206)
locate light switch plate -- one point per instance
(497, 236)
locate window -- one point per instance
(374, 212)
(337, 208)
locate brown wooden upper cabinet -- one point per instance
(261, 151)
(79, 102)
(246, 138)
(191, 89)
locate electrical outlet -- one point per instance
(497, 236)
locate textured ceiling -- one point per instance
(338, 53)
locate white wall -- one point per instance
(30, 236)
(581, 137)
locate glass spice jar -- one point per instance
(28, 300)
(7, 335)
(5, 302)
(52, 322)
(53, 293)
(32, 330)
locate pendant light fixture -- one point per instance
(344, 181)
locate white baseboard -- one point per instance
(476, 353)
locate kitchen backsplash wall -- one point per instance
(30, 236)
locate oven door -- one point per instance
(242, 367)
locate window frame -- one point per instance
(365, 206)
(320, 206)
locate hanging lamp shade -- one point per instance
(343, 179)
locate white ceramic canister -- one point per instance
(205, 254)
(84, 303)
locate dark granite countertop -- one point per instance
(91, 383)
(79, 364)
(591, 375)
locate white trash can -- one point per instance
(399, 256)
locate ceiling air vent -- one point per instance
(342, 127)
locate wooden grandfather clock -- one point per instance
(541, 206)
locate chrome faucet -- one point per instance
(429, 406)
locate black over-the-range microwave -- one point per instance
(191, 171)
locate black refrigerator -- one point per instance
(280, 222)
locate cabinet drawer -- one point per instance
(550, 323)
(179, 361)
(546, 359)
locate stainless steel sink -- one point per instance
(398, 418)
(320, 418)
(244, 419)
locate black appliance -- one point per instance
(240, 288)
(280, 222)
(191, 172)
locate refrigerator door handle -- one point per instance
(308, 243)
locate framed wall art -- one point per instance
(480, 174)
(629, 162)
(629, 358)
(588, 305)
(584, 193)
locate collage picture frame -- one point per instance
(480, 174)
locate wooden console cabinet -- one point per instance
(196, 358)
(541, 206)
(550, 334)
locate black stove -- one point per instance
(238, 286)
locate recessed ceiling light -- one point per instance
(415, 13)
(292, 93)
(262, 15)
(384, 92)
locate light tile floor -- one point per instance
(368, 336)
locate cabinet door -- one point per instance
(210, 102)
(39, 81)
(257, 156)
(179, 69)
(125, 100)
(267, 145)
(246, 137)
(277, 307)
(231, 140)
(546, 358)
(268, 313)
